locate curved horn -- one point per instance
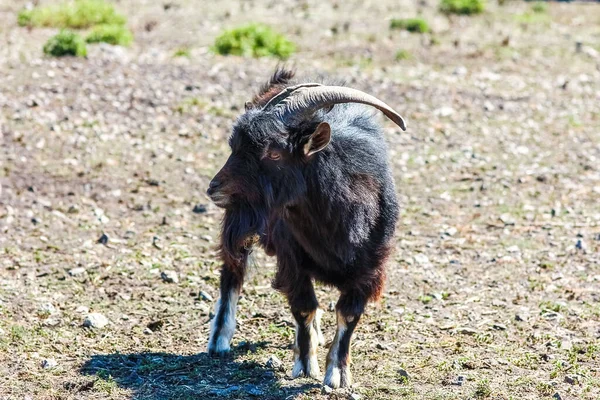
(285, 93)
(314, 97)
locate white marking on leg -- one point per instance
(334, 376)
(312, 364)
(222, 342)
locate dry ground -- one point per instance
(496, 274)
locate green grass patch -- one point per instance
(254, 40)
(539, 7)
(403, 55)
(111, 34)
(182, 52)
(482, 390)
(65, 43)
(462, 7)
(78, 14)
(416, 25)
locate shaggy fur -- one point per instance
(328, 216)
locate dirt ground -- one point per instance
(493, 291)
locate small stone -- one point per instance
(326, 390)
(513, 249)
(404, 376)
(520, 318)
(169, 276)
(331, 306)
(458, 381)
(155, 326)
(580, 245)
(274, 363)
(95, 320)
(571, 379)
(82, 310)
(199, 209)
(355, 396)
(451, 231)
(421, 259)
(444, 111)
(499, 327)
(464, 330)
(556, 396)
(49, 363)
(77, 271)
(156, 242)
(507, 219)
(47, 309)
(103, 239)
(488, 106)
(205, 296)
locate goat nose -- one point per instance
(212, 186)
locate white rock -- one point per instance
(49, 363)
(170, 276)
(77, 271)
(95, 320)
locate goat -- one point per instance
(308, 181)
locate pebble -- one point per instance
(199, 209)
(458, 381)
(103, 239)
(205, 296)
(571, 379)
(421, 259)
(499, 327)
(403, 374)
(274, 363)
(557, 396)
(520, 318)
(77, 271)
(580, 245)
(49, 363)
(355, 396)
(95, 320)
(326, 390)
(47, 308)
(466, 330)
(169, 276)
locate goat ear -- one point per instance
(318, 140)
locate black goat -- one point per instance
(308, 180)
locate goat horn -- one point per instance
(312, 97)
(285, 93)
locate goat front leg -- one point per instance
(223, 323)
(349, 309)
(304, 305)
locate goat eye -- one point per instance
(273, 155)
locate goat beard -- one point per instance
(241, 228)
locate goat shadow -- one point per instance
(154, 376)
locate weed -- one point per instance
(111, 34)
(482, 390)
(539, 7)
(254, 40)
(547, 306)
(416, 25)
(425, 299)
(65, 43)
(78, 14)
(403, 55)
(462, 7)
(182, 52)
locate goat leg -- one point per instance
(303, 303)
(349, 310)
(223, 323)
